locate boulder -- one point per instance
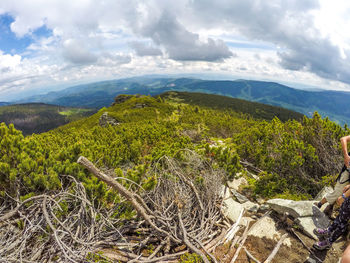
(306, 215)
(140, 105)
(123, 97)
(231, 209)
(294, 208)
(106, 120)
(317, 220)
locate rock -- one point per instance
(260, 200)
(308, 224)
(251, 207)
(307, 216)
(232, 209)
(240, 198)
(124, 97)
(264, 208)
(294, 208)
(106, 120)
(323, 192)
(311, 260)
(236, 183)
(266, 227)
(140, 105)
(253, 175)
(225, 192)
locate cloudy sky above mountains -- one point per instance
(50, 44)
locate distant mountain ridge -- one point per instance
(333, 104)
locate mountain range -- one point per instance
(332, 104)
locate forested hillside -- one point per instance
(96, 95)
(39, 117)
(57, 209)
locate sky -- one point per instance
(51, 44)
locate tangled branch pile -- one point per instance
(62, 227)
(181, 214)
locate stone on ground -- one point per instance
(266, 227)
(294, 208)
(306, 215)
(236, 183)
(240, 198)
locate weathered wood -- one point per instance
(275, 250)
(249, 255)
(122, 190)
(244, 237)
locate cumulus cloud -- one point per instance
(9, 62)
(108, 59)
(181, 44)
(290, 25)
(76, 52)
(94, 38)
(143, 49)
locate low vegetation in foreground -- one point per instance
(171, 157)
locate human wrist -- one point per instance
(344, 196)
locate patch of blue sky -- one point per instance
(10, 43)
(250, 45)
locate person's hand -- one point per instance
(347, 160)
(346, 188)
(340, 200)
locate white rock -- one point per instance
(236, 183)
(225, 192)
(267, 228)
(307, 216)
(294, 208)
(308, 224)
(231, 209)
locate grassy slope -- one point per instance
(256, 110)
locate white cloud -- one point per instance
(9, 62)
(305, 41)
(76, 52)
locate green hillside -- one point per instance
(332, 104)
(39, 117)
(162, 127)
(158, 147)
(256, 110)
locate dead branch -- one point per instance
(249, 255)
(275, 250)
(243, 239)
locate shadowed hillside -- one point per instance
(39, 117)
